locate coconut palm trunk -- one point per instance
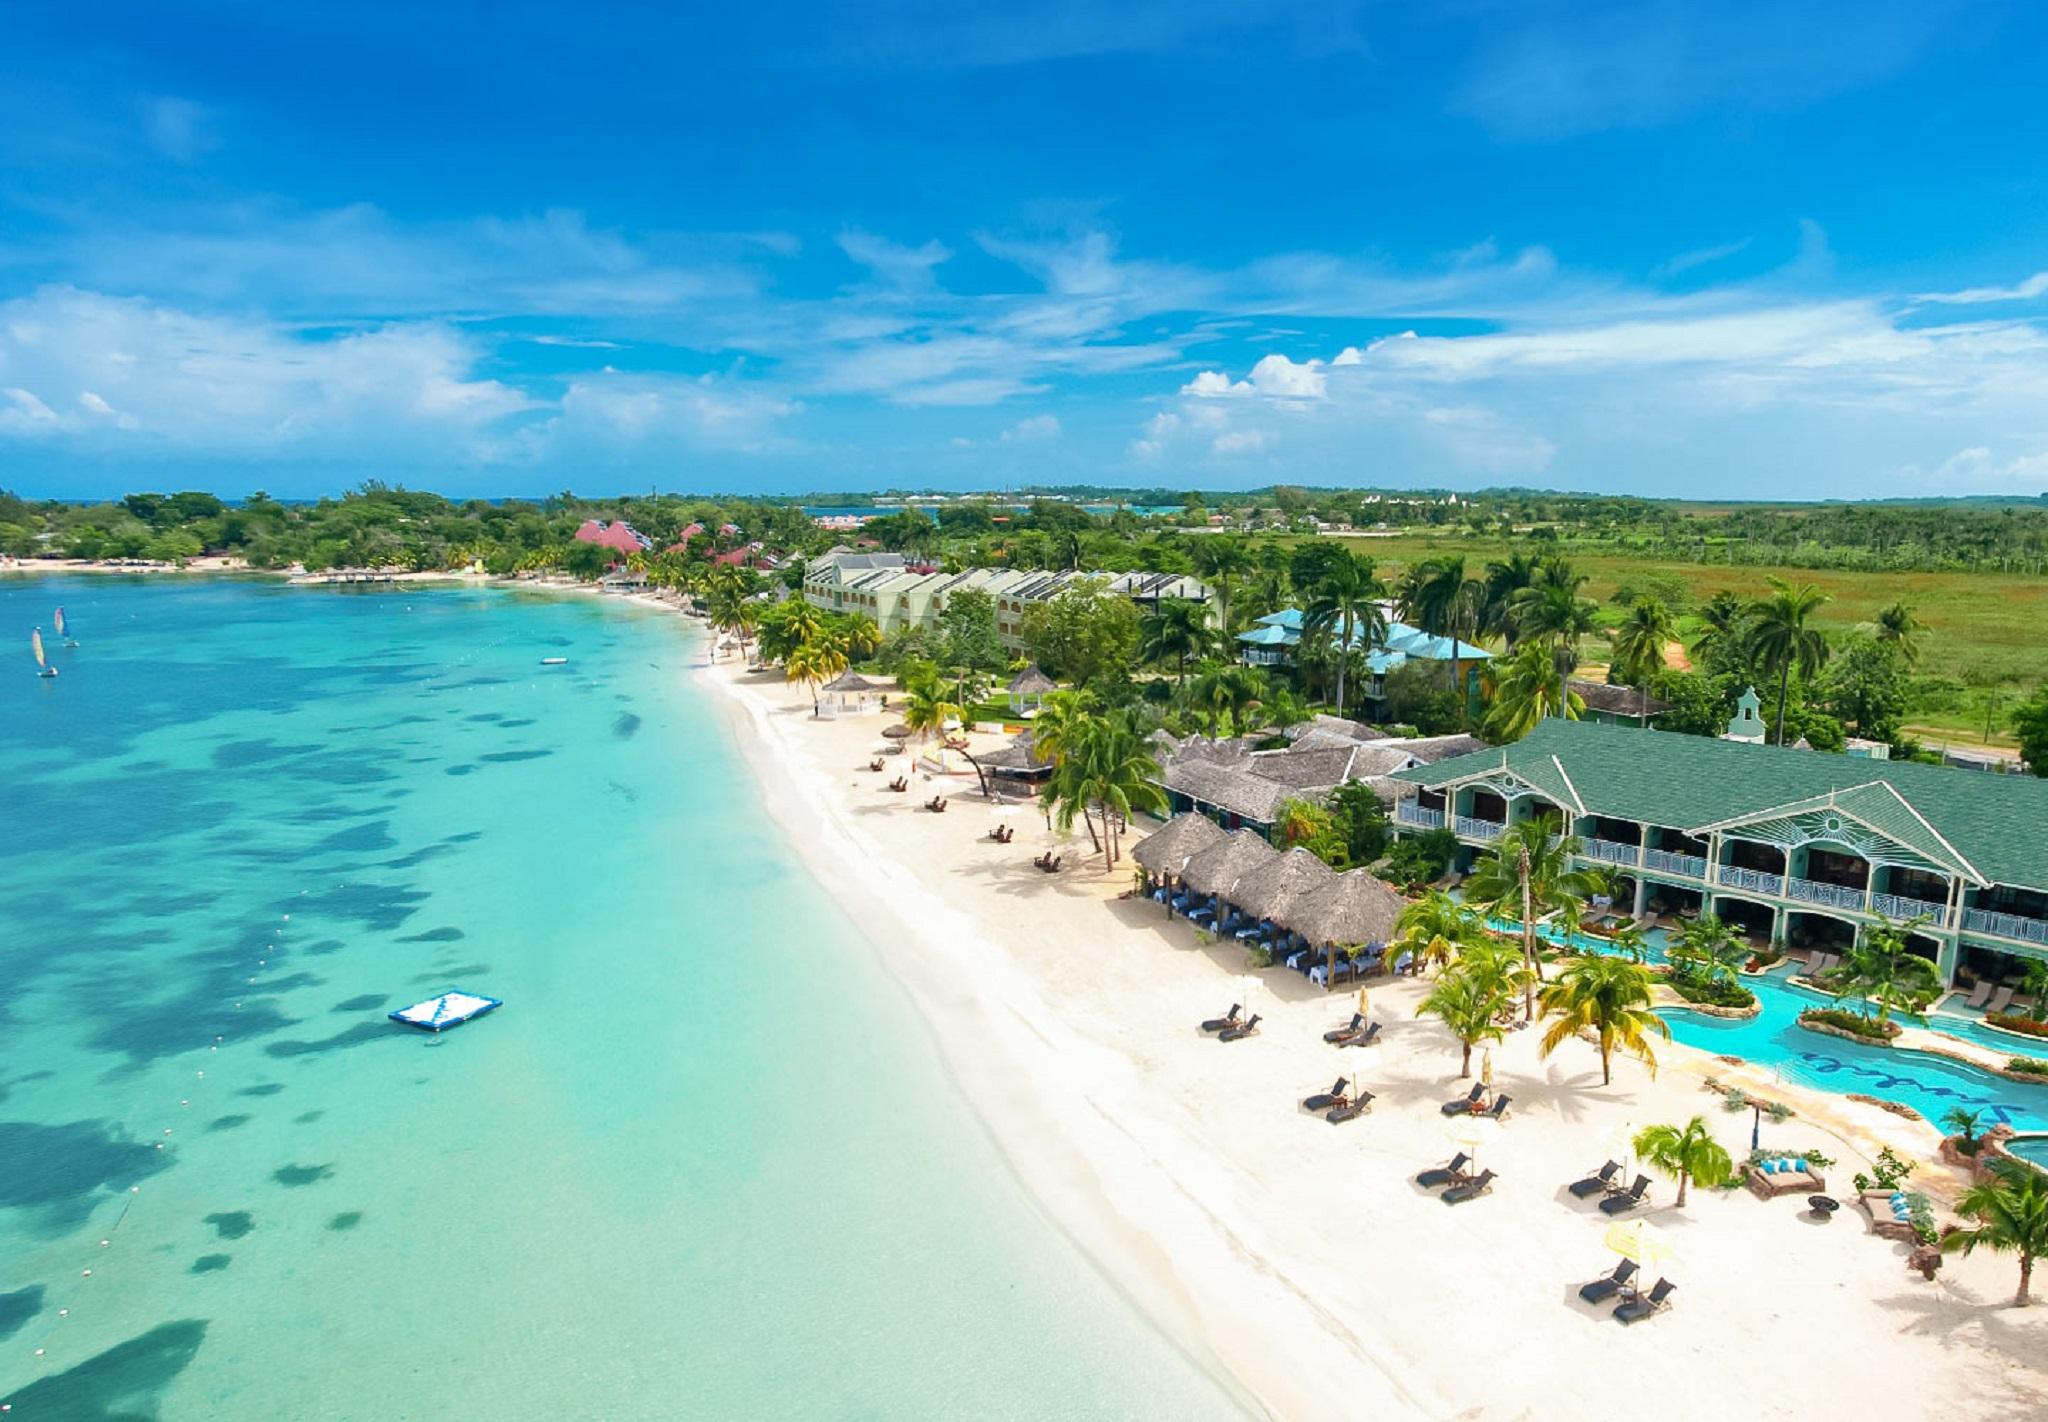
(1343, 656)
(1529, 948)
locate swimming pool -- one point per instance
(1580, 942)
(2032, 1149)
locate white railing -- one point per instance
(1753, 880)
(2006, 925)
(1478, 829)
(1833, 895)
(1903, 910)
(1410, 813)
(1611, 851)
(1690, 865)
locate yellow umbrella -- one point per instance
(1641, 1241)
(1486, 1069)
(1361, 1002)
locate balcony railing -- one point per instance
(2006, 925)
(1610, 851)
(1663, 860)
(1809, 891)
(1410, 813)
(1478, 829)
(1755, 881)
(1893, 906)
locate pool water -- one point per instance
(2033, 1149)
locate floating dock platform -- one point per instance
(447, 1010)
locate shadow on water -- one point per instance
(57, 1172)
(209, 1263)
(363, 1002)
(625, 726)
(340, 1224)
(462, 970)
(267, 1088)
(228, 1123)
(122, 1384)
(356, 1036)
(20, 1306)
(436, 935)
(381, 907)
(357, 839)
(231, 1224)
(295, 1176)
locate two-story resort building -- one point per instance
(1790, 845)
(1274, 639)
(896, 595)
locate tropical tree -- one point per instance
(1223, 693)
(1710, 947)
(1176, 629)
(1782, 640)
(1469, 1005)
(1433, 929)
(2011, 1214)
(1552, 613)
(1525, 688)
(925, 707)
(1439, 597)
(1530, 872)
(1897, 624)
(1344, 606)
(1108, 769)
(2034, 979)
(1962, 1122)
(1221, 559)
(1880, 969)
(1504, 582)
(1631, 942)
(815, 662)
(1063, 718)
(1723, 639)
(862, 637)
(1639, 646)
(1610, 998)
(1686, 1153)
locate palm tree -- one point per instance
(1503, 582)
(1345, 602)
(1524, 692)
(2011, 1210)
(1611, 999)
(863, 638)
(2034, 978)
(1724, 629)
(1469, 1005)
(1962, 1122)
(1530, 868)
(1552, 612)
(1176, 629)
(1639, 645)
(925, 707)
(815, 662)
(1686, 1153)
(1111, 770)
(1631, 942)
(1781, 639)
(1222, 694)
(1712, 946)
(1443, 601)
(1062, 719)
(1898, 625)
(1219, 559)
(1881, 969)
(1433, 929)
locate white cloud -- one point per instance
(1274, 376)
(1239, 442)
(1032, 430)
(179, 129)
(2033, 286)
(1978, 470)
(628, 417)
(893, 262)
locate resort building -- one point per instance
(1273, 640)
(896, 596)
(1616, 705)
(619, 536)
(1791, 846)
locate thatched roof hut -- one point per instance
(1276, 888)
(1032, 682)
(1167, 851)
(1353, 908)
(1217, 869)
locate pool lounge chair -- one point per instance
(1324, 1100)
(1642, 1306)
(1225, 1022)
(1470, 1190)
(1981, 993)
(1598, 1182)
(1608, 1285)
(1445, 1174)
(1464, 1104)
(2000, 1001)
(1348, 1030)
(1247, 1028)
(1351, 1110)
(1497, 1111)
(1624, 1201)
(1363, 1039)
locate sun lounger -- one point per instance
(1608, 1285)
(1470, 1190)
(1497, 1111)
(1351, 1110)
(1445, 1174)
(1464, 1104)
(1598, 1182)
(1324, 1100)
(1981, 993)
(1248, 1028)
(1348, 1030)
(1225, 1022)
(1621, 1203)
(1365, 1038)
(2000, 1001)
(1643, 1305)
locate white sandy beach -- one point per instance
(1298, 1259)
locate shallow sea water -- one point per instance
(705, 1161)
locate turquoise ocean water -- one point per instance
(703, 1163)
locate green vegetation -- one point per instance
(1686, 1153)
(2010, 1211)
(1854, 1023)
(1609, 997)
(1528, 875)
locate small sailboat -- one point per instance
(554, 661)
(64, 629)
(43, 667)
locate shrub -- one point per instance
(2013, 1022)
(1260, 957)
(1736, 1100)
(1868, 1028)
(2028, 1066)
(1778, 1111)
(1888, 1172)
(1719, 993)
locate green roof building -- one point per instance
(1792, 846)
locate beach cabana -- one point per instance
(850, 694)
(1164, 853)
(1028, 689)
(1354, 908)
(1276, 889)
(1216, 870)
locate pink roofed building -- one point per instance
(617, 536)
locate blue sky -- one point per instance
(1730, 249)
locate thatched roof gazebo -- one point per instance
(1217, 869)
(1352, 908)
(1027, 690)
(1276, 888)
(851, 694)
(1167, 851)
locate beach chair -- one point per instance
(1350, 1110)
(1598, 1182)
(1349, 1030)
(1608, 1285)
(1324, 1100)
(1622, 1202)
(1981, 994)
(1445, 1174)
(1225, 1022)
(1248, 1028)
(1365, 1038)
(1464, 1104)
(1497, 1111)
(1640, 1307)
(2000, 1001)
(1470, 1190)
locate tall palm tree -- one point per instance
(1686, 1153)
(2011, 1214)
(1712, 946)
(1610, 998)
(815, 662)
(1433, 929)
(1639, 646)
(1724, 628)
(1223, 694)
(1782, 640)
(1110, 770)
(1175, 629)
(1897, 624)
(1063, 717)
(1525, 690)
(1344, 605)
(1552, 613)
(1470, 1006)
(1504, 581)
(863, 638)
(1439, 597)
(2034, 978)
(925, 707)
(1221, 559)
(1530, 870)
(1881, 969)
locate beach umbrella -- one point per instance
(897, 732)
(1361, 1002)
(1486, 1069)
(1464, 1134)
(1641, 1241)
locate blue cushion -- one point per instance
(1801, 1165)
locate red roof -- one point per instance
(618, 535)
(735, 555)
